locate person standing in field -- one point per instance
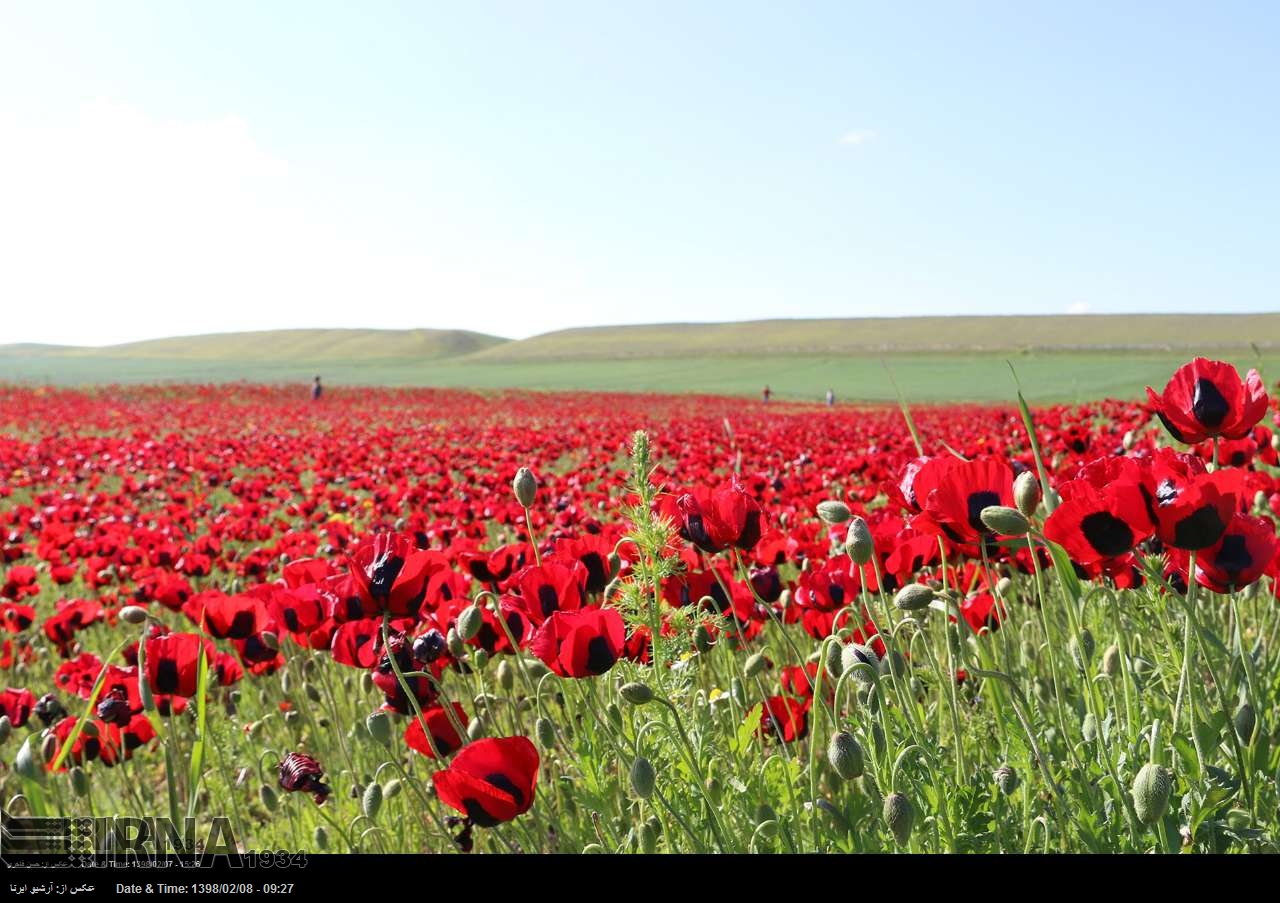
(765, 393)
(831, 398)
(316, 390)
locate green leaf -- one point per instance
(747, 730)
(197, 748)
(1063, 568)
(1187, 753)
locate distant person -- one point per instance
(316, 390)
(765, 393)
(831, 398)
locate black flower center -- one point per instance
(600, 657)
(1208, 405)
(1108, 534)
(385, 571)
(1200, 529)
(1233, 556)
(977, 502)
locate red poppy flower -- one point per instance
(783, 718)
(581, 643)
(1206, 399)
(1193, 512)
(17, 618)
(490, 781)
(443, 733)
(954, 508)
(1094, 524)
(227, 617)
(726, 517)
(391, 573)
(96, 740)
(1240, 557)
(554, 586)
(173, 662)
(16, 705)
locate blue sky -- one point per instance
(519, 167)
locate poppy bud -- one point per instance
(642, 777)
(392, 789)
(477, 728)
(1141, 666)
(1081, 649)
(455, 643)
(525, 487)
(1005, 521)
(6, 728)
(371, 802)
(1003, 586)
(321, 837)
(636, 693)
(702, 639)
(79, 781)
(833, 660)
(648, 838)
(506, 676)
(469, 622)
(1006, 779)
(895, 663)
(366, 681)
(268, 798)
(834, 511)
(378, 725)
(428, 647)
(480, 659)
(878, 739)
(132, 614)
(545, 732)
(269, 640)
(26, 764)
(1089, 728)
(856, 654)
(1129, 440)
(859, 543)
(49, 746)
(255, 730)
(534, 668)
(1245, 722)
(1151, 792)
(1026, 493)
(1111, 661)
(913, 597)
(311, 691)
(900, 816)
(291, 716)
(845, 755)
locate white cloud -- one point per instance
(1079, 307)
(857, 137)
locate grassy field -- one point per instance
(1046, 376)
(1057, 358)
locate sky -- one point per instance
(515, 168)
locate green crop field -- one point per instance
(960, 359)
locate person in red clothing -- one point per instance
(765, 393)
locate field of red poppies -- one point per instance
(440, 621)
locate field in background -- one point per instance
(932, 359)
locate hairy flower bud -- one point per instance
(1005, 521)
(545, 731)
(379, 727)
(636, 693)
(859, 543)
(1026, 493)
(371, 802)
(754, 665)
(834, 511)
(1245, 721)
(1006, 779)
(900, 816)
(643, 777)
(1151, 792)
(845, 755)
(470, 622)
(133, 614)
(525, 487)
(913, 597)
(1111, 661)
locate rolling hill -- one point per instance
(1064, 358)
